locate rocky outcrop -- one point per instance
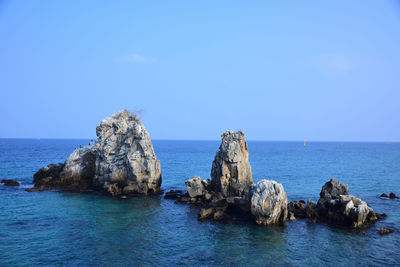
(125, 157)
(231, 171)
(120, 162)
(269, 203)
(8, 182)
(335, 206)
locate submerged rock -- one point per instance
(385, 231)
(384, 195)
(174, 194)
(269, 203)
(231, 171)
(8, 182)
(121, 161)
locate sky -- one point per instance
(278, 70)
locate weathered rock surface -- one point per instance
(231, 171)
(195, 186)
(8, 182)
(125, 156)
(121, 161)
(269, 203)
(335, 206)
(333, 189)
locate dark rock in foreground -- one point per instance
(8, 182)
(121, 162)
(385, 231)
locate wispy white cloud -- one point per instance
(334, 62)
(135, 58)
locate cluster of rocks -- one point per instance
(391, 196)
(120, 162)
(335, 206)
(231, 192)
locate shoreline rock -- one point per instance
(120, 162)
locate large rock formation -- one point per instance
(269, 203)
(125, 156)
(231, 171)
(121, 161)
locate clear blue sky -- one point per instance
(279, 70)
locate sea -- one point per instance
(53, 228)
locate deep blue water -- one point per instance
(70, 229)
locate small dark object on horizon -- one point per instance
(393, 196)
(8, 182)
(384, 195)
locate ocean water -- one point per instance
(70, 229)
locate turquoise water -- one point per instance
(70, 229)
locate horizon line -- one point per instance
(249, 140)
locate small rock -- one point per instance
(8, 182)
(385, 231)
(174, 194)
(393, 196)
(206, 213)
(384, 195)
(220, 215)
(195, 186)
(207, 196)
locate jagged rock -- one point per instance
(48, 176)
(78, 170)
(231, 171)
(393, 196)
(337, 207)
(333, 189)
(385, 231)
(195, 186)
(125, 156)
(297, 208)
(384, 195)
(269, 203)
(311, 209)
(121, 161)
(8, 182)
